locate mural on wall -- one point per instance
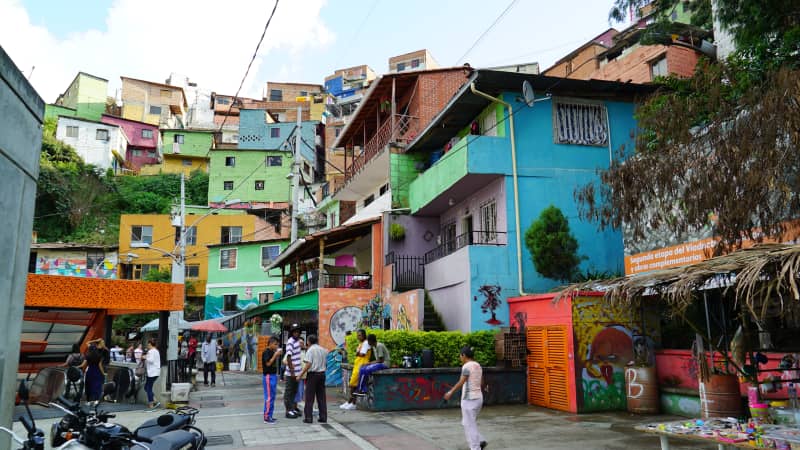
(74, 264)
(491, 301)
(521, 318)
(344, 320)
(403, 322)
(375, 313)
(214, 306)
(604, 336)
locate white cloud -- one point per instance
(209, 41)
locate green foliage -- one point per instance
(700, 10)
(552, 245)
(446, 345)
(397, 232)
(158, 275)
(130, 322)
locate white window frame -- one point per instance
(270, 297)
(101, 134)
(230, 228)
(271, 158)
(147, 134)
(235, 258)
(73, 131)
(179, 139)
(142, 235)
(659, 67)
(569, 113)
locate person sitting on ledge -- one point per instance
(382, 361)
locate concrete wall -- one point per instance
(93, 150)
(139, 95)
(417, 229)
(449, 289)
(195, 143)
(141, 150)
(256, 134)
(21, 110)
(87, 95)
(277, 188)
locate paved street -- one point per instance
(230, 415)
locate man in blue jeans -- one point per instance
(269, 366)
(382, 361)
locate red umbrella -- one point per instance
(210, 326)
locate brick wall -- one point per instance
(635, 66)
(580, 66)
(681, 61)
(433, 92)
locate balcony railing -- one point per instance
(408, 272)
(463, 240)
(363, 281)
(405, 130)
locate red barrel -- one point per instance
(720, 397)
(641, 387)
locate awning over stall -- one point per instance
(308, 301)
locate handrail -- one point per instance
(404, 131)
(465, 239)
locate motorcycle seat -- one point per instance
(154, 427)
(174, 440)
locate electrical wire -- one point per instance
(485, 32)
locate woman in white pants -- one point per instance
(471, 397)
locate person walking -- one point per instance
(269, 367)
(293, 362)
(382, 361)
(471, 397)
(208, 353)
(153, 365)
(314, 367)
(95, 373)
(363, 356)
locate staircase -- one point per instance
(432, 321)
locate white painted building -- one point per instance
(101, 144)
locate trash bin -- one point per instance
(427, 358)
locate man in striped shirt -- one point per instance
(292, 373)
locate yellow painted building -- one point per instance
(160, 233)
(153, 103)
(176, 164)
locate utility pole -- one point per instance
(296, 171)
(178, 277)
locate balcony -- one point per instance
(314, 280)
(471, 164)
(492, 238)
(408, 272)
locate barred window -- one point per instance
(580, 123)
(488, 217)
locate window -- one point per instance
(369, 199)
(165, 92)
(275, 95)
(229, 302)
(659, 68)
(141, 234)
(265, 297)
(141, 270)
(192, 271)
(151, 153)
(147, 134)
(136, 153)
(223, 101)
(269, 253)
(303, 93)
(580, 123)
(187, 162)
(338, 131)
(415, 63)
(191, 235)
(227, 185)
(101, 135)
(155, 110)
(274, 132)
(178, 139)
(488, 217)
(227, 258)
(231, 235)
(259, 185)
(94, 259)
(274, 161)
(72, 132)
(401, 67)
(230, 161)
(384, 188)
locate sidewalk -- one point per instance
(231, 417)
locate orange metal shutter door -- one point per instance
(557, 370)
(537, 373)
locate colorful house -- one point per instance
(150, 241)
(183, 151)
(257, 177)
(237, 279)
(154, 103)
(484, 177)
(74, 260)
(85, 97)
(101, 144)
(144, 140)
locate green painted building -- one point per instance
(85, 97)
(236, 276)
(250, 176)
(187, 142)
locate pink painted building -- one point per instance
(144, 145)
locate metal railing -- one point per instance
(310, 284)
(347, 281)
(463, 240)
(408, 272)
(404, 131)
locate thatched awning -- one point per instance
(760, 277)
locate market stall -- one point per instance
(726, 433)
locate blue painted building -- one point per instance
(255, 133)
(466, 180)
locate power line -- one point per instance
(357, 33)
(505, 11)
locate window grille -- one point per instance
(581, 124)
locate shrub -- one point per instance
(446, 345)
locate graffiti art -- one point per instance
(491, 295)
(403, 322)
(344, 320)
(374, 313)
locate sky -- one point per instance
(212, 42)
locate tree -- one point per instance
(552, 245)
(158, 275)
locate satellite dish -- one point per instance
(527, 93)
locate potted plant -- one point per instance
(275, 322)
(397, 232)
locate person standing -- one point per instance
(153, 364)
(116, 353)
(192, 351)
(208, 353)
(94, 373)
(363, 355)
(471, 397)
(314, 367)
(301, 382)
(293, 362)
(269, 367)
(382, 361)
(137, 352)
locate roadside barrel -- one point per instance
(720, 397)
(641, 388)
